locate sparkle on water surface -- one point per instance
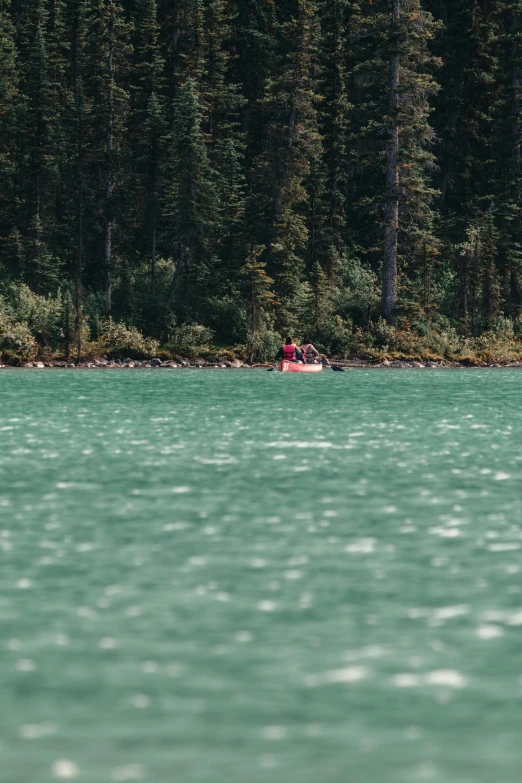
(229, 576)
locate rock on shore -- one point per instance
(180, 362)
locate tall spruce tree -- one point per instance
(79, 111)
(8, 95)
(149, 127)
(109, 64)
(337, 57)
(408, 150)
(292, 138)
(191, 203)
(38, 159)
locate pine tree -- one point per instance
(191, 206)
(478, 85)
(231, 188)
(8, 96)
(256, 41)
(38, 165)
(292, 138)
(508, 153)
(108, 63)
(480, 293)
(79, 113)
(259, 297)
(149, 122)
(337, 56)
(220, 93)
(408, 154)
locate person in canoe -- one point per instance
(310, 352)
(289, 352)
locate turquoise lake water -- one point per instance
(228, 576)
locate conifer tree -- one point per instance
(292, 138)
(231, 188)
(259, 297)
(219, 92)
(109, 53)
(79, 112)
(508, 152)
(38, 164)
(337, 61)
(149, 122)
(8, 94)
(408, 153)
(191, 205)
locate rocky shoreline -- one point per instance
(180, 363)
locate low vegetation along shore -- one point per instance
(44, 341)
(45, 338)
(128, 363)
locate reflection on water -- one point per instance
(223, 576)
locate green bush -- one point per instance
(265, 345)
(357, 294)
(357, 344)
(383, 335)
(17, 344)
(337, 337)
(443, 343)
(44, 315)
(119, 341)
(190, 340)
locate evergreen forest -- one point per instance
(206, 176)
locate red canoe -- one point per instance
(296, 367)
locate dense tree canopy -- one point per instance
(237, 169)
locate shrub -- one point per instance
(264, 346)
(357, 294)
(190, 340)
(336, 336)
(44, 315)
(357, 343)
(119, 341)
(383, 334)
(443, 343)
(16, 341)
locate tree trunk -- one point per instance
(154, 205)
(515, 85)
(253, 320)
(389, 272)
(67, 329)
(79, 246)
(79, 316)
(465, 304)
(153, 253)
(474, 281)
(78, 96)
(109, 174)
(176, 21)
(512, 294)
(427, 282)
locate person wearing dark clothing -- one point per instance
(289, 352)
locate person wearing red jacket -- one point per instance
(289, 352)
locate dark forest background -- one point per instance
(195, 175)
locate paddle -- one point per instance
(336, 368)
